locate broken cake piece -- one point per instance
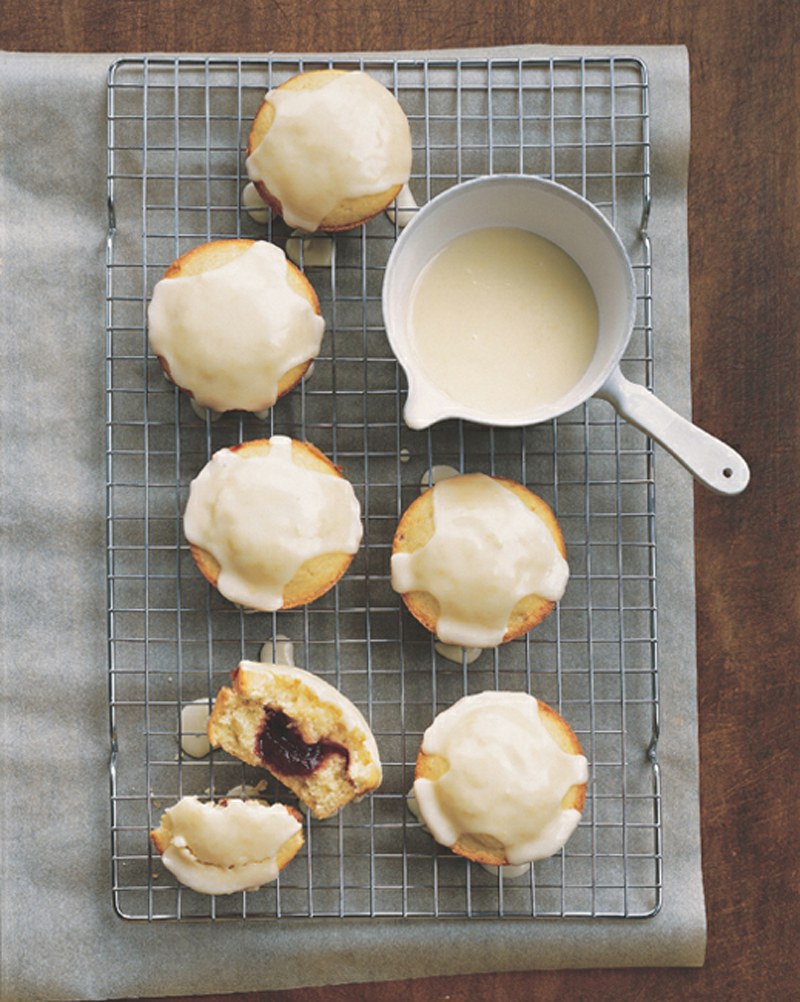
(299, 728)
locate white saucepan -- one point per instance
(572, 223)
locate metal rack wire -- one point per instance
(177, 129)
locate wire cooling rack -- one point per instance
(177, 130)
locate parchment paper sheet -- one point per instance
(60, 937)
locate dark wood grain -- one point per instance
(745, 300)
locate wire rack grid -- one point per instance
(177, 130)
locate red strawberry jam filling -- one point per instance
(282, 748)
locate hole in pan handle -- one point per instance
(711, 461)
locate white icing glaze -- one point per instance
(506, 778)
(432, 477)
(487, 551)
(218, 849)
(258, 676)
(203, 412)
(413, 806)
(280, 652)
(346, 139)
(453, 652)
(502, 319)
(230, 334)
(406, 208)
(309, 251)
(244, 791)
(509, 872)
(254, 204)
(261, 517)
(194, 717)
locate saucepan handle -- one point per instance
(711, 461)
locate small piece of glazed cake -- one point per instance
(235, 325)
(479, 560)
(233, 845)
(301, 729)
(272, 523)
(500, 779)
(329, 149)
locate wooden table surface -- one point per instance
(744, 207)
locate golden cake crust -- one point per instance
(315, 576)
(416, 528)
(215, 254)
(350, 212)
(485, 849)
(317, 713)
